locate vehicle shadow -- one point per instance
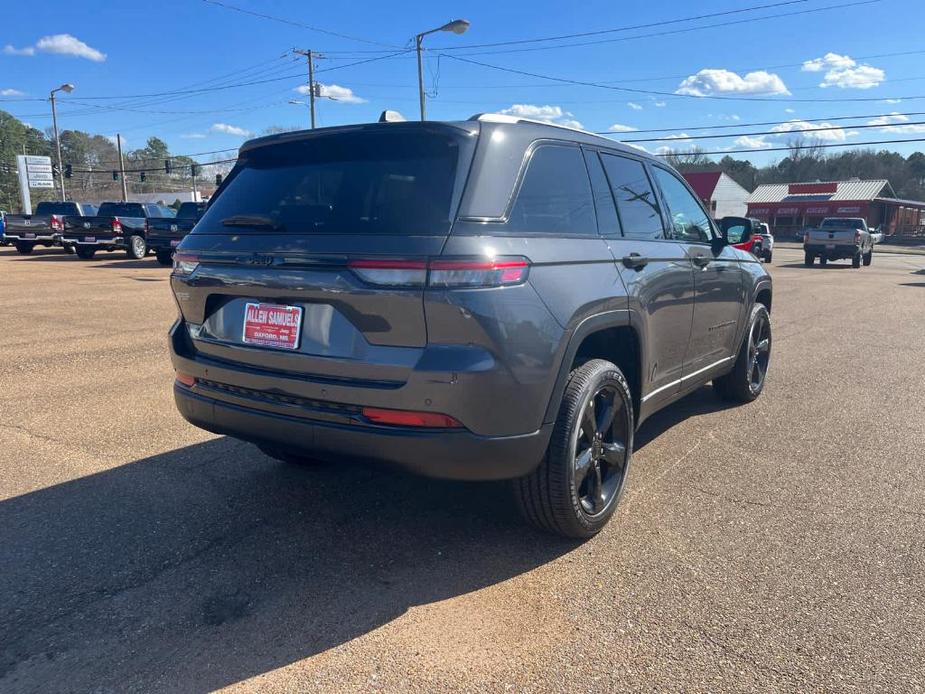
(835, 265)
(197, 568)
(148, 263)
(701, 401)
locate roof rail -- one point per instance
(507, 118)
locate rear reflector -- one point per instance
(186, 379)
(444, 272)
(407, 418)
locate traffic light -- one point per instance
(194, 170)
(68, 170)
(142, 177)
(115, 175)
(168, 167)
(218, 179)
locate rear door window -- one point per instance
(636, 202)
(607, 222)
(689, 223)
(346, 183)
(555, 195)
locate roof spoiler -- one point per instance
(388, 116)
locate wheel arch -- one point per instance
(612, 336)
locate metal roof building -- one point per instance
(791, 207)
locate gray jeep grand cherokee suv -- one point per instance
(483, 300)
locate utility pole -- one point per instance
(67, 88)
(419, 40)
(121, 167)
(310, 57)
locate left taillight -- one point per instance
(116, 225)
(56, 223)
(447, 273)
(184, 264)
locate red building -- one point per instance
(788, 208)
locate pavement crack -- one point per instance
(29, 432)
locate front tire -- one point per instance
(137, 247)
(577, 487)
(767, 258)
(868, 257)
(85, 253)
(808, 259)
(746, 380)
(165, 257)
(24, 247)
(823, 261)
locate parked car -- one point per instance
(164, 233)
(3, 241)
(116, 226)
(765, 242)
(486, 299)
(838, 238)
(45, 226)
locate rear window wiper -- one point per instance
(251, 220)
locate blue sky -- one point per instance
(765, 69)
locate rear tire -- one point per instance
(856, 260)
(137, 248)
(823, 261)
(85, 253)
(808, 259)
(767, 258)
(24, 247)
(165, 257)
(746, 380)
(577, 487)
(868, 258)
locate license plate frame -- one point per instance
(28, 235)
(830, 246)
(89, 239)
(263, 326)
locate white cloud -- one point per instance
(711, 81)
(11, 92)
(12, 50)
(548, 114)
(620, 128)
(790, 110)
(752, 142)
(59, 44)
(844, 72)
(193, 136)
(344, 95)
(659, 104)
(893, 101)
(832, 134)
(229, 129)
(897, 123)
(635, 146)
(633, 105)
(684, 137)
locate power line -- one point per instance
(652, 92)
(790, 147)
(676, 138)
(301, 25)
(668, 32)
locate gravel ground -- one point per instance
(778, 546)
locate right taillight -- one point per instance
(116, 226)
(443, 272)
(56, 223)
(184, 264)
(806, 237)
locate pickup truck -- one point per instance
(837, 238)
(44, 227)
(116, 226)
(164, 234)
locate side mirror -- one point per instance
(735, 230)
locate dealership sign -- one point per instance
(34, 172)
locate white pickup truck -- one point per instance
(837, 238)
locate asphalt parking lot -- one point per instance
(778, 546)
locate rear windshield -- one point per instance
(56, 208)
(344, 183)
(847, 223)
(121, 209)
(190, 210)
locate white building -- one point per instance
(721, 195)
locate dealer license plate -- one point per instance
(89, 239)
(830, 246)
(28, 235)
(272, 325)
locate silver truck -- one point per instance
(838, 238)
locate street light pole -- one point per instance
(457, 26)
(67, 88)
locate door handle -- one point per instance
(634, 261)
(701, 260)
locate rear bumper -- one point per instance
(839, 251)
(162, 243)
(46, 239)
(447, 454)
(112, 242)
